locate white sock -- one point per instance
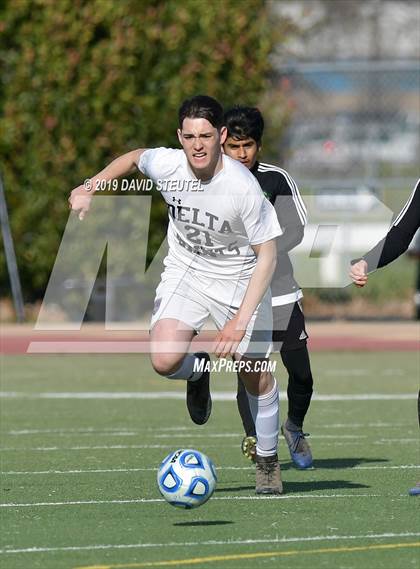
(186, 371)
(265, 412)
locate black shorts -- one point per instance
(288, 327)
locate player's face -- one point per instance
(244, 150)
(201, 143)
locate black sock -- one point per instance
(299, 389)
(418, 407)
(244, 410)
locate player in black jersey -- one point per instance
(245, 126)
(394, 244)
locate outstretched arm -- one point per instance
(394, 244)
(81, 196)
(228, 339)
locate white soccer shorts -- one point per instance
(191, 298)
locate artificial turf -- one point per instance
(82, 437)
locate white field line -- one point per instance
(154, 468)
(108, 470)
(401, 467)
(359, 372)
(168, 395)
(87, 430)
(209, 542)
(348, 372)
(377, 425)
(210, 435)
(156, 500)
(92, 434)
(399, 441)
(352, 442)
(192, 434)
(170, 445)
(98, 447)
(111, 431)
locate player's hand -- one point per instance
(79, 201)
(228, 339)
(358, 273)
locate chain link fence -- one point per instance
(353, 141)
(353, 121)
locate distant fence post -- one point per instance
(11, 257)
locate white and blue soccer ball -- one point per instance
(186, 478)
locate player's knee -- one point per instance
(258, 383)
(266, 382)
(298, 366)
(304, 379)
(164, 364)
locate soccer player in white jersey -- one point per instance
(221, 258)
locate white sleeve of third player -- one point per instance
(259, 216)
(159, 163)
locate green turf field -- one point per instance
(81, 443)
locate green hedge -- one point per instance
(83, 81)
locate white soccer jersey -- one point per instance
(211, 230)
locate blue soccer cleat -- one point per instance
(300, 451)
(415, 490)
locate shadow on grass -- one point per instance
(310, 486)
(321, 485)
(211, 523)
(235, 488)
(331, 463)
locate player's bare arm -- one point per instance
(81, 196)
(230, 336)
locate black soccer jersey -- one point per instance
(282, 191)
(399, 236)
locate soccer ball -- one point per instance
(186, 478)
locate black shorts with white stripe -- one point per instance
(289, 331)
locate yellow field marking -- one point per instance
(236, 557)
